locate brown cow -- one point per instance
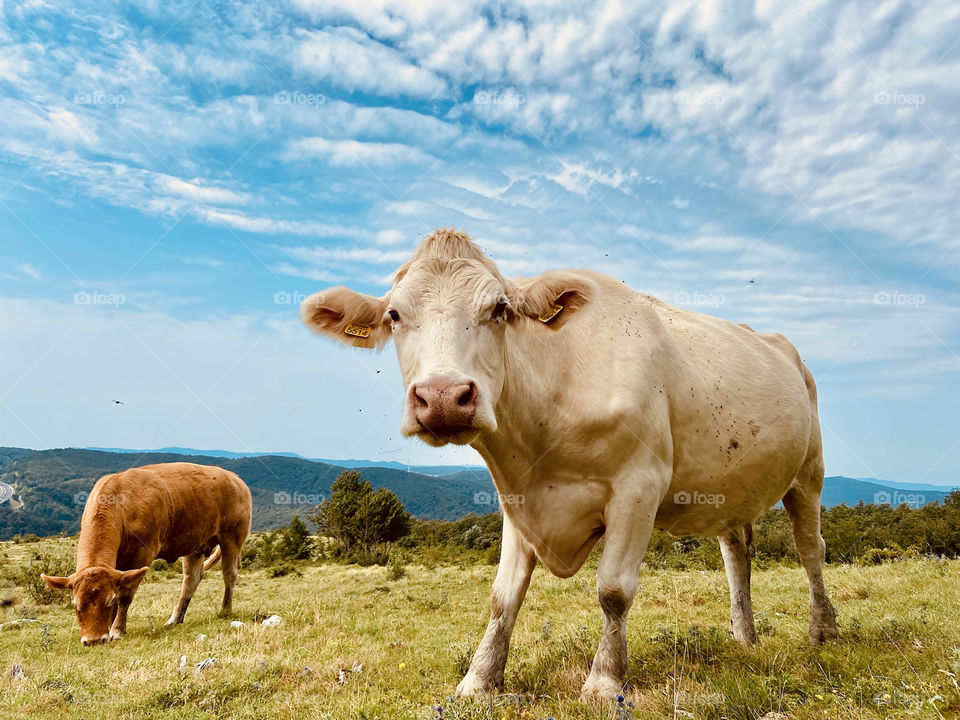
(169, 510)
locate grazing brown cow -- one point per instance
(600, 412)
(170, 510)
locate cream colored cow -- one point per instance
(601, 412)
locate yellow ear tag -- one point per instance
(550, 314)
(360, 331)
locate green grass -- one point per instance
(414, 637)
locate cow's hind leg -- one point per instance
(192, 574)
(802, 502)
(629, 525)
(230, 565)
(735, 548)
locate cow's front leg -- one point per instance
(629, 524)
(119, 627)
(517, 561)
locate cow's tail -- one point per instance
(212, 560)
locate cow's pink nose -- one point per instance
(445, 407)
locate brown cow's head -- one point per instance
(94, 597)
(448, 312)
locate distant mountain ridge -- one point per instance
(839, 490)
(50, 486)
(392, 464)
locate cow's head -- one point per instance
(448, 313)
(94, 597)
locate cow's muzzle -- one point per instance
(94, 640)
(444, 409)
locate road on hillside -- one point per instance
(6, 492)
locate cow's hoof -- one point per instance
(472, 685)
(116, 635)
(172, 621)
(598, 689)
(822, 633)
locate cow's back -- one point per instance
(181, 508)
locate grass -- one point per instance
(411, 638)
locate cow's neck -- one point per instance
(100, 538)
(528, 412)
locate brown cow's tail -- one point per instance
(212, 560)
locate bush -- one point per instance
(396, 569)
(28, 577)
(276, 547)
(283, 569)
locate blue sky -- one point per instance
(174, 177)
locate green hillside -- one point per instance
(51, 485)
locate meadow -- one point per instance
(376, 643)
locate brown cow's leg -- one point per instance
(192, 574)
(735, 548)
(803, 506)
(629, 526)
(230, 564)
(517, 561)
(119, 627)
(125, 593)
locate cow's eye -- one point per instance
(499, 309)
(394, 315)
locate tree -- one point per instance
(358, 516)
(385, 519)
(295, 541)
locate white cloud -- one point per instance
(30, 271)
(255, 224)
(351, 60)
(351, 153)
(201, 192)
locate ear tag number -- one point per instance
(360, 331)
(550, 313)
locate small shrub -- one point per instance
(282, 569)
(396, 569)
(28, 577)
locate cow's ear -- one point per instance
(347, 316)
(553, 298)
(57, 583)
(130, 578)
